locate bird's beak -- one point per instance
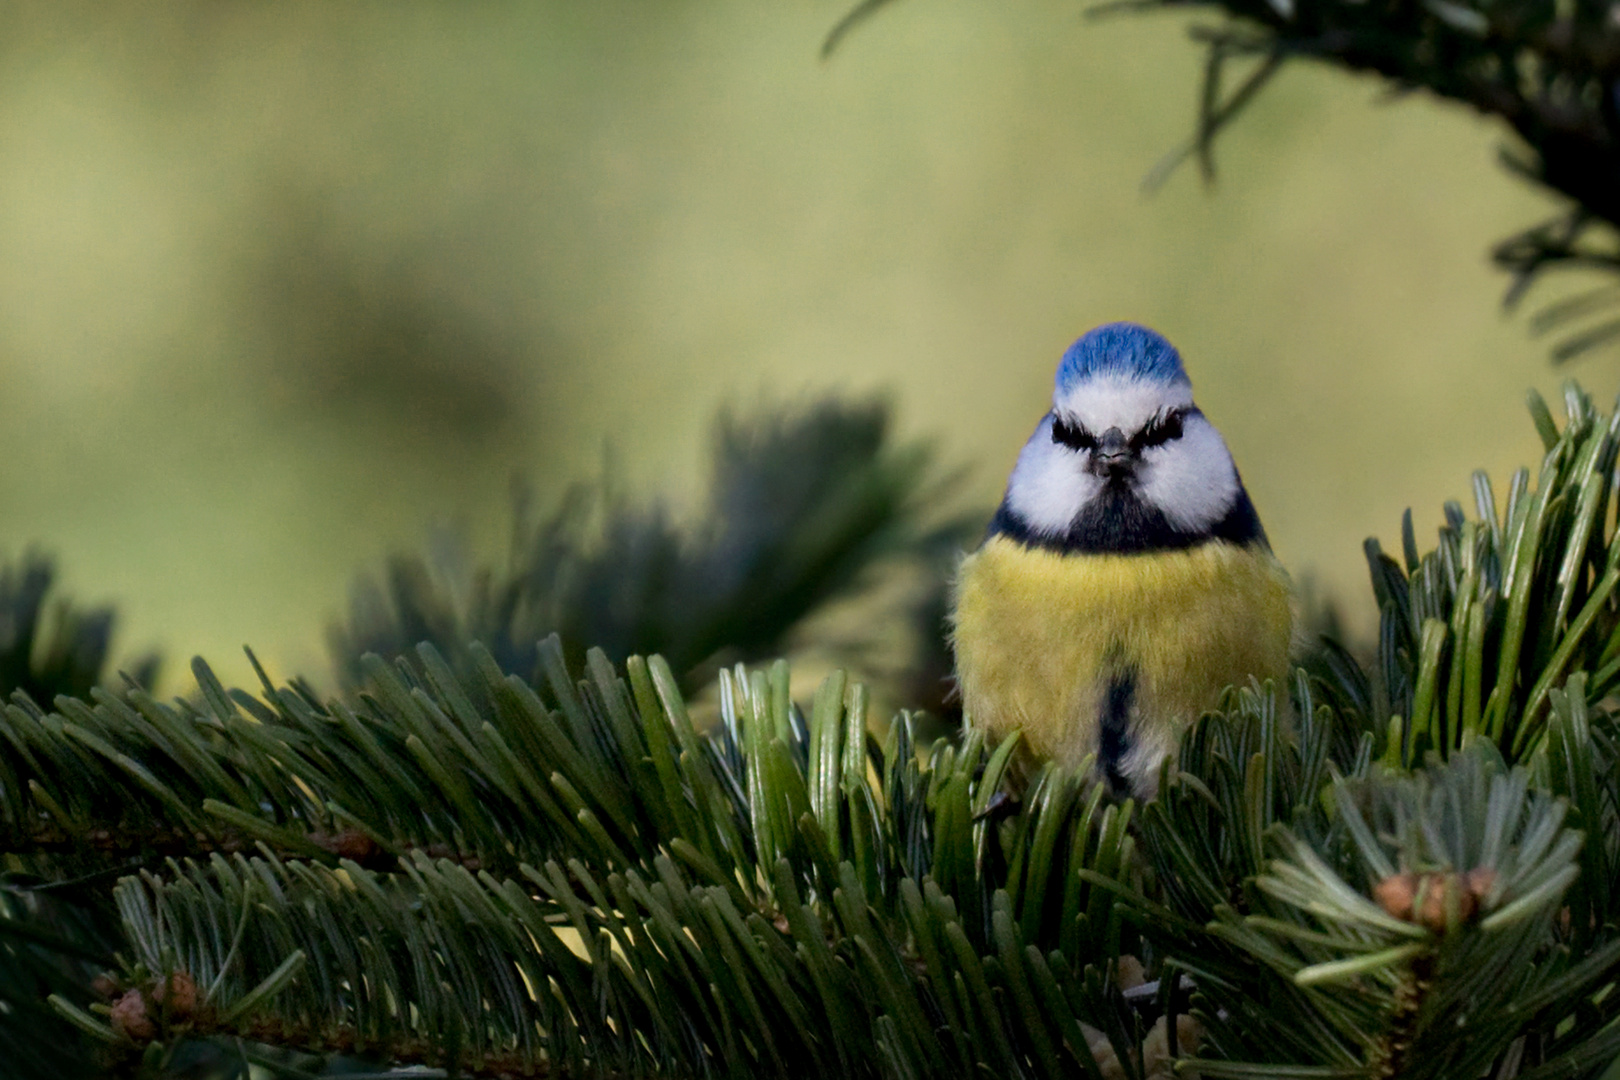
(1113, 453)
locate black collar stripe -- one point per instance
(1117, 522)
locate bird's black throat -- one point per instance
(1118, 522)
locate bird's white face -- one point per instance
(1121, 430)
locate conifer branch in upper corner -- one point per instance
(1550, 72)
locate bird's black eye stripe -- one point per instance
(1160, 430)
(1072, 435)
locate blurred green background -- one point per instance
(285, 286)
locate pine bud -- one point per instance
(1481, 880)
(1396, 893)
(1434, 901)
(129, 1017)
(1446, 899)
(179, 993)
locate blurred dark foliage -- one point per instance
(49, 944)
(57, 650)
(927, 680)
(1342, 669)
(803, 504)
(56, 929)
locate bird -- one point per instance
(1125, 579)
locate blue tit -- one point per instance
(1125, 579)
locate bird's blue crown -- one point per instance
(1120, 348)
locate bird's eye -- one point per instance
(1162, 430)
(1073, 436)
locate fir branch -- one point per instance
(790, 876)
(1550, 73)
(1477, 635)
(53, 933)
(1412, 925)
(1551, 76)
(675, 976)
(417, 1054)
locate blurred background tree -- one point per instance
(806, 507)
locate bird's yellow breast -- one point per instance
(1040, 634)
